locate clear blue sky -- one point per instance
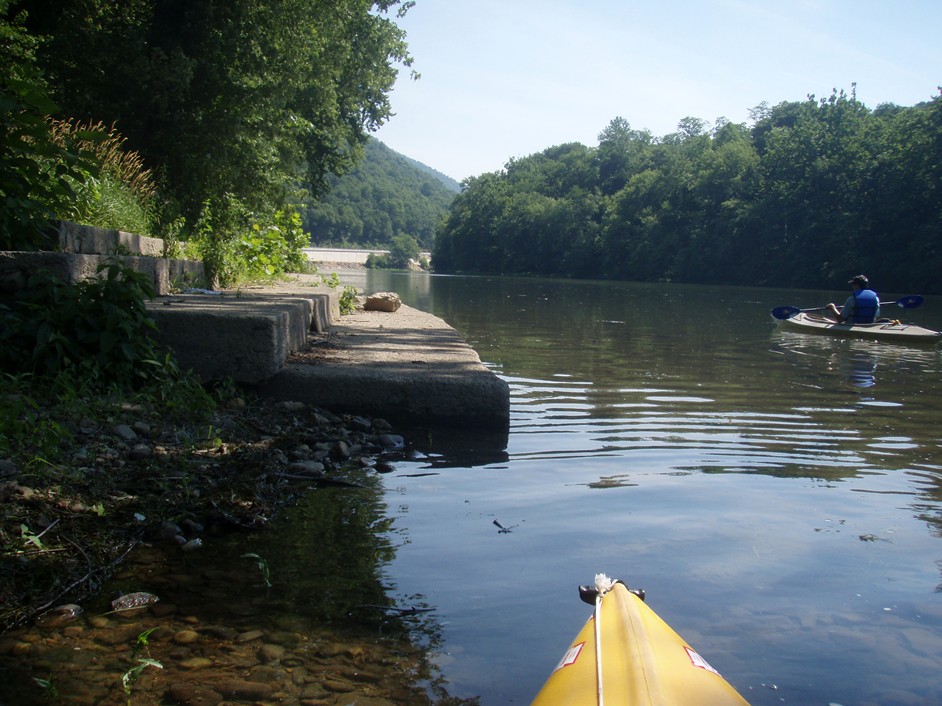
(507, 78)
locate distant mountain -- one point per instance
(385, 195)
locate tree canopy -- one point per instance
(813, 191)
(240, 100)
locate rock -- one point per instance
(315, 469)
(192, 694)
(142, 428)
(139, 452)
(270, 653)
(59, 616)
(391, 441)
(125, 433)
(220, 632)
(7, 468)
(338, 686)
(383, 301)
(244, 690)
(250, 635)
(195, 663)
(186, 637)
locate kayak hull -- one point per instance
(884, 331)
(641, 661)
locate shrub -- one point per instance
(237, 245)
(99, 328)
(36, 173)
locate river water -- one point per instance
(778, 495)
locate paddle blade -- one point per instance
(785, 312)
(910, 302)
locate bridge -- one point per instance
(347, 255)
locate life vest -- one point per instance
(866, 307)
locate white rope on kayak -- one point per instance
(603, 584)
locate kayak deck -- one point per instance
(626, 655)
(883, 330)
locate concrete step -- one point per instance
(405, 365)
(247, 336)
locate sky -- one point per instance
(503, 79)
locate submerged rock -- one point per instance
(59, 616)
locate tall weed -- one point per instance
(122, 195)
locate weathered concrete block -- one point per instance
(245, 337)
(89, 240)
(16, 268)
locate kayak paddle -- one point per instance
(786, 312)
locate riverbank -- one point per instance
(142, 498)
(134, 492)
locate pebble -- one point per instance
(195, 663)
(392, 441)
(59, 616)
(186, 637)
(250, 635)
(142, 428)
(270, 653)
(306, 468)
(139, 452)
(125, 433)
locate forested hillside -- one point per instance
(385, 195)
(811, 193)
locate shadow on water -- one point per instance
(296, 613)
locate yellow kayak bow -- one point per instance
(625, 655)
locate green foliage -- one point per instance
(122, 196)
(36, 173)
(813, 192)
(23, 425)
(132, 675)
(385, 195)
(403, 251)
(98, 329)
(348, 297)
(237, 245)
(241, 100)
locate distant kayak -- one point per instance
(625, 655)
(883, 330)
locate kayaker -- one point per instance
(861, 307)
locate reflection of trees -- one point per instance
(327, 558)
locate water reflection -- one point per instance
(298, 613)
(771, 490)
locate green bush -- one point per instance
(36, 173)
(237, 245)
(99, 328)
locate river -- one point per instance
(778, 495)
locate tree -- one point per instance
(35, 171)
(242, 99)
